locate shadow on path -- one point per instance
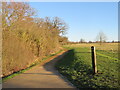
(50, 66)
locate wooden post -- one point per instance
(94, 60)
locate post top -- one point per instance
(92, 47)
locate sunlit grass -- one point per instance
(77, 67)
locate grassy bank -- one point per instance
(32, 65)
(77, 67)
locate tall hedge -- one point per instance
(26, 38)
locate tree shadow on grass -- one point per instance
(82, 52)
(78, 73)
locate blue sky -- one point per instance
(85, 19)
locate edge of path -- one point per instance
(59, 56)
(42, 62)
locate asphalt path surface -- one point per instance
(41, 76)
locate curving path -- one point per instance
(40, 76)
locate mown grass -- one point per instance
(31, 66)
(77, 67)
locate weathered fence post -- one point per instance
(94, 65)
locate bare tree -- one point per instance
(101, 37)
(60, 25)
(15, 12)
(82, 40)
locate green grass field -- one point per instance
(77, 66)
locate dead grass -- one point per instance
(104, 46)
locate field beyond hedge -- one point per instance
(77, 66)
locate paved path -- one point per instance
(40, 76)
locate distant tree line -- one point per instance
(73, 42)
(26, 38)
(100, 38)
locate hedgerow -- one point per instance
(26, 38)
